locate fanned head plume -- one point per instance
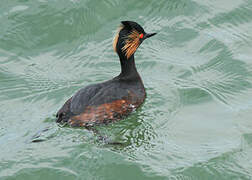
(116, 37)
(132, 42)
(128, 38)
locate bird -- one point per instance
(115, 99)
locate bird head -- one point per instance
(129, 37)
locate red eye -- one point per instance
(141, 36)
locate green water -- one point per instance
(195, 122)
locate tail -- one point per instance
(64, 113)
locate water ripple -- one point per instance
(197, 72)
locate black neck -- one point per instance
(128, 68)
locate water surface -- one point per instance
(195, 122)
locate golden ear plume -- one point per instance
(132, 42)
(116, 37)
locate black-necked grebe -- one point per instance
(114, 99)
